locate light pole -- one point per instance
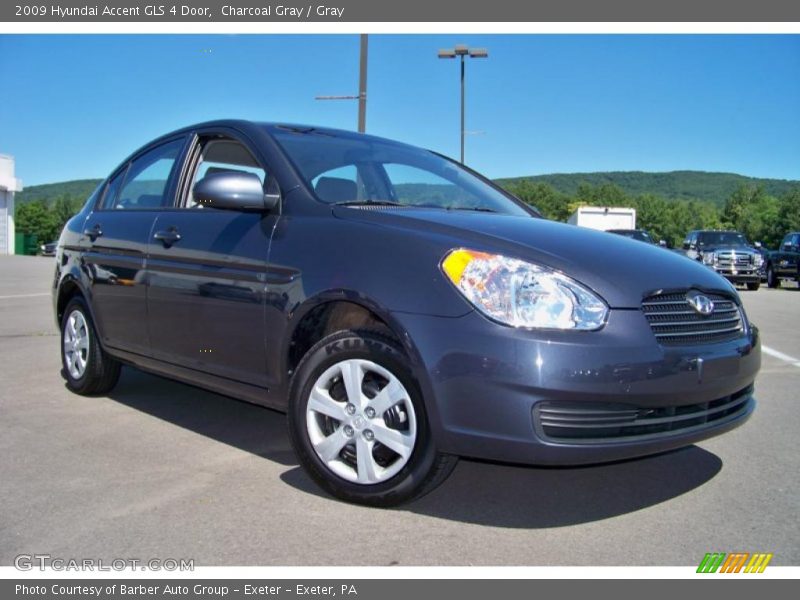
(362, 86)
(462, 51)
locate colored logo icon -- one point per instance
(736, 562)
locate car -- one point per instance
(640, 235)
(728, 253)
(402, 309)
(48, 249)
(784, 263)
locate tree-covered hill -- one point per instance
(80, 188)
(672, 185)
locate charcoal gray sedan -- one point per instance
(399, 307)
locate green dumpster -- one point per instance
(26, 244)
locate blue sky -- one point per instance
(74, 106)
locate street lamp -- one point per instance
(461, 51)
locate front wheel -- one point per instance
(772, 281)
(753, 285)
(358, 424)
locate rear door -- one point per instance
(114, 243)
(207, 273)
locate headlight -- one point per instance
(757, 259)
(522, 294)
(708, 258)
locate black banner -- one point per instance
(387, 589)
(443, 11)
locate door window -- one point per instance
(219, 156)
(112, 189)
(147, 179)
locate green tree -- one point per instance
(37, 218)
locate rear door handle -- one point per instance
(168, 236)
(93, 233)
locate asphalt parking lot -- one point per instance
(159, 469)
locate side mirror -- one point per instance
(234, 190)
(686, 245)
(757, 244)
(662, 243)
(787, 245)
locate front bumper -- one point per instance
(484, 383)
(740, 276)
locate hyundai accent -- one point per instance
(399, 307)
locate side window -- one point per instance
(147, 178)
(112, 190)
(220, 155)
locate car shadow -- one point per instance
(251, 428)
(523, 497)
(478, 492)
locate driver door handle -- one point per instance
(168, 236)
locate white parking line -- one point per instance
(24, 296)
(785, 357)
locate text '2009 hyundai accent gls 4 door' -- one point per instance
(400, 308)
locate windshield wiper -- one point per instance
(473, 208)
(368, 202)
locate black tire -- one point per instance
(753, 285)
(426, 467)
(102, 372)
(772, 281)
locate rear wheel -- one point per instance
(358, 423)
(86, 366)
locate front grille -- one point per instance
(729, 260)
(674, 321)
(606, 422)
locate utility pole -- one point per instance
(362, 87)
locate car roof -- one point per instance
(275, 127)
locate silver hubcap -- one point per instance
(361, 421)
(76, 344)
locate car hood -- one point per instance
(621, 270)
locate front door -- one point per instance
(207, 276)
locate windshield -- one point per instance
(721, 238)
(362, 170)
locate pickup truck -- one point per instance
(728, 253)
(784, 263)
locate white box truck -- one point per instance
(604, 217)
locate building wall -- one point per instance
(6, 232)
(8, 185)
